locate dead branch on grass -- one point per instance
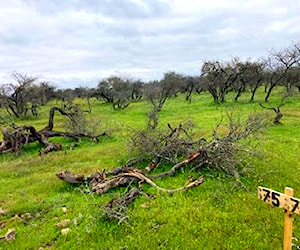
(14, 136)
(279, 115)
(224, 152)
(103, 184)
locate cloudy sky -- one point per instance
(78, 42)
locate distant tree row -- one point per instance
(281, 68)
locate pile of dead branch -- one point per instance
(15, 136)
(225, 152)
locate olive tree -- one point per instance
(19, 94)
(120, 91)
(292, 79)
(251, 74)
(189, 85)
(156, 95)
(219, 78)
(278, 64)
(171, 83)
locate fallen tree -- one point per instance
(15, 136)
(225, 150)
(100, 184)
(222, 152)
(116, 207)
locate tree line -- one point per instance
(25, 93)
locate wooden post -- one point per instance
(288, 223)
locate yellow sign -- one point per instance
(290, 206)
(281, 200)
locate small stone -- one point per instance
(26, 216)
(65, 231)
(63, 223)
(2, 211)
(145, 205)
(17, 217)
(2, 225)
(75, 221)
(10, 235)
(64, 209)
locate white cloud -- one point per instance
(289, 25)
(75, 42)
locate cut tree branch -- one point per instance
(179, 165)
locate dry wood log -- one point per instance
(50, 125)
(116, 181)
(120, 180)
(75, 136)
(69, 177)
(153, 164)
(124, 200)
(189, 184)
(279, 115)
(116, 208)
(179, 165)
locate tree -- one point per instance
(118, 91)
(105, 89)
(47, 92)
(17, 95)
(137, 90)
(219, 78)
(66, 95)
(40, 94)
(292, 79)
(81, 92)
(239, 85)
(171, 83)
(257, 75)
(156, 95)
(251, 74)
(279, 63)
(189, 85)
(199, 84)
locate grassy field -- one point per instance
(219, 214)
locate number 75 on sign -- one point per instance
(281, 200)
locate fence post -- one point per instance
(288, 223)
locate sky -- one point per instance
(73, 43)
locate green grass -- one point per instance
(219, 214)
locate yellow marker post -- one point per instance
(288, 223)
(290, 205)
